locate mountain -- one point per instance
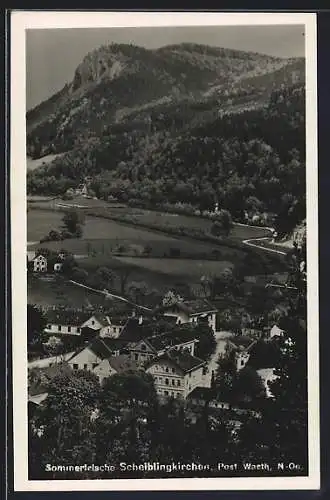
(184, 123)
(115, 81)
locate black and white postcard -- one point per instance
(164, 251)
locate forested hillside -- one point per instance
(183, 124)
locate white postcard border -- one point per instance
(22, 20)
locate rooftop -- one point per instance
(134, 331)
(67, 317)
(182, 360)
(196, 306)
(172, 338)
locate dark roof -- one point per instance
(100, 348)
(118, 320)
(86, 330)
(115, 344)
(199, 306)
(67, 317)
(171, 338)
(171, 320)
(133, 331)
(183, 360)
(196, 306)
(103, 347)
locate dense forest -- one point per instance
(149, 138)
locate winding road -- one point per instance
(251, 243)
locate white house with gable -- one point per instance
(39, 264)
(276, 332)
(191, 312)
(99, 322)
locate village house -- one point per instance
(90, 356)
(267, 376)
(37, 262)
(58, 267)
(40, 263)
(135, 329)
(176, 373)
(82, 190)
(275, 331)
(241, 346)
(190, 312)
(150, 347)
(83, 323)
(65, 321)
(116, 326)
(100, 323)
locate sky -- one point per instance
(52, 55)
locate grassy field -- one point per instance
(119, 246)
(40, 162)
(39, 223)
(55, 203)
(103, 237)
(178, 267)
(239, 232)
(58, 292)
(143, 216)
(44, 292)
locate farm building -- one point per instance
(190, 312)
(90, 356)
(62, 322)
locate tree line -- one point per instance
(250, 163)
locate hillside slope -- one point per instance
(185, 124)
(115, 79)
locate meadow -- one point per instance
(103, 238)
(170, 261)
(179, 267)
(155, 218)
(49, 292)
(32, 164)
